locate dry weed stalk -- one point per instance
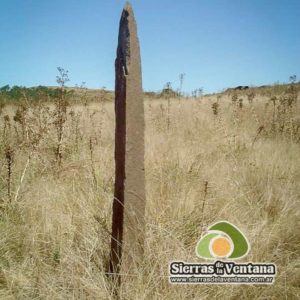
(60, 113)
(251, 97)
(215, 108)
(205, 191)
(9, 154)
(234, 99)
(284, 115)
(241, 103)
(75, 127)
(92, 142)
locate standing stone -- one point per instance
(128, 221)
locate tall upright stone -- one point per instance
(128, 221)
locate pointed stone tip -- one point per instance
(128, 6)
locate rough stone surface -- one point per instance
(128, 224)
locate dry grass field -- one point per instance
(220, 157)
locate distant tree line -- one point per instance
(15, 93)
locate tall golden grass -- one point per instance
(204, 162)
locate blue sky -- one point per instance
(216, 43)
